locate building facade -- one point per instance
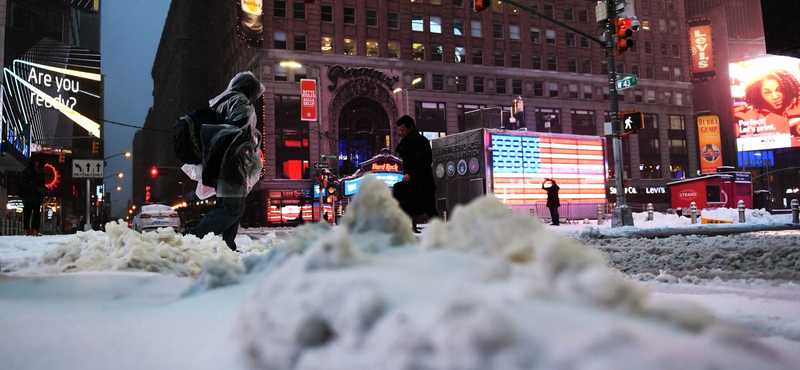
(361, 52)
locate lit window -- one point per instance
(394, 49)
(372, 48)
(435, 24)
(475, 29)
(417, 23)
(327, 45)
(418, 51)
(349, 47)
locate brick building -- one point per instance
(362, 51)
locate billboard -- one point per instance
(766, 103)
(710, 142)
(521, 164)
(702, 50)
(249, 22)
(308, 91)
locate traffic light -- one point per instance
(623, 31)
(479, 5)
(154, 171)
(632, 122)
(95, 147)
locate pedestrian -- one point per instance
(32, 189)
(416, 192)
(232, 160)
(552, 199)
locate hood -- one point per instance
(245, 83)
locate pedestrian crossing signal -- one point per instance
(95, 147)
(631, 122)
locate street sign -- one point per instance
(330, 156)
(627, 82)
(632, 121)
(308, 91)
(320, 165)
(87, 169)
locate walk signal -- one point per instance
(623, 32)
(632, 122)
(480, 5)
(95, 147)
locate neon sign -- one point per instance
(521, 163)
(55, 176)
(389, 167)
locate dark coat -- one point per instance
(415, 151)
(32, 188)
(417, 195)
(552, 195)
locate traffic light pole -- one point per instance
(622, 214)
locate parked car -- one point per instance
(153, 216)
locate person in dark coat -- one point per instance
(232, 160)
(552, 199)
(32, 190)
(416, 193)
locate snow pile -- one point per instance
(751, 216)
(490, 289)
(120, 248)
(744, 257)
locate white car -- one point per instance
(154, 216)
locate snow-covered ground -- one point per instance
(488, 289)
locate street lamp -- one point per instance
(405, 90)
(126, 154)
(296, 65)
(120, 175)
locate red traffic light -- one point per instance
(621, 26)
(480, 5)
(154, 172)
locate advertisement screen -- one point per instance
(766, 103)
(390, 178)
(521, 164)
(710, 143)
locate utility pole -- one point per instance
(622, 215)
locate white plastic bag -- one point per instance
(195, 172)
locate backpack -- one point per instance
(186, 134)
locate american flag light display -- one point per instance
(521, 163)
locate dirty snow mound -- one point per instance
(120, 248)
(549, 303)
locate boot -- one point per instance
(36, 232)
(28, 232)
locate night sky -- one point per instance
(130, 32)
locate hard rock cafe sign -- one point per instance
(337, 71)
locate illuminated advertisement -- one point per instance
(52, 93)
(766, 103)
(521, 164)
(250, 25)
(702, 50)
(390, 178)
(709, 141)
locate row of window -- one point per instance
(435, 22)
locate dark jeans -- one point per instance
(554, 215)
(29, 210)
(223, 221)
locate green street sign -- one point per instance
(329, 156)
(627, 82)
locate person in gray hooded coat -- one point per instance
(232, 159)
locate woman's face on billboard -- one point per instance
(772, 94)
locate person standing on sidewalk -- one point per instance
(552, 199)
(232, 160)
(416, 192)
(32, 189)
